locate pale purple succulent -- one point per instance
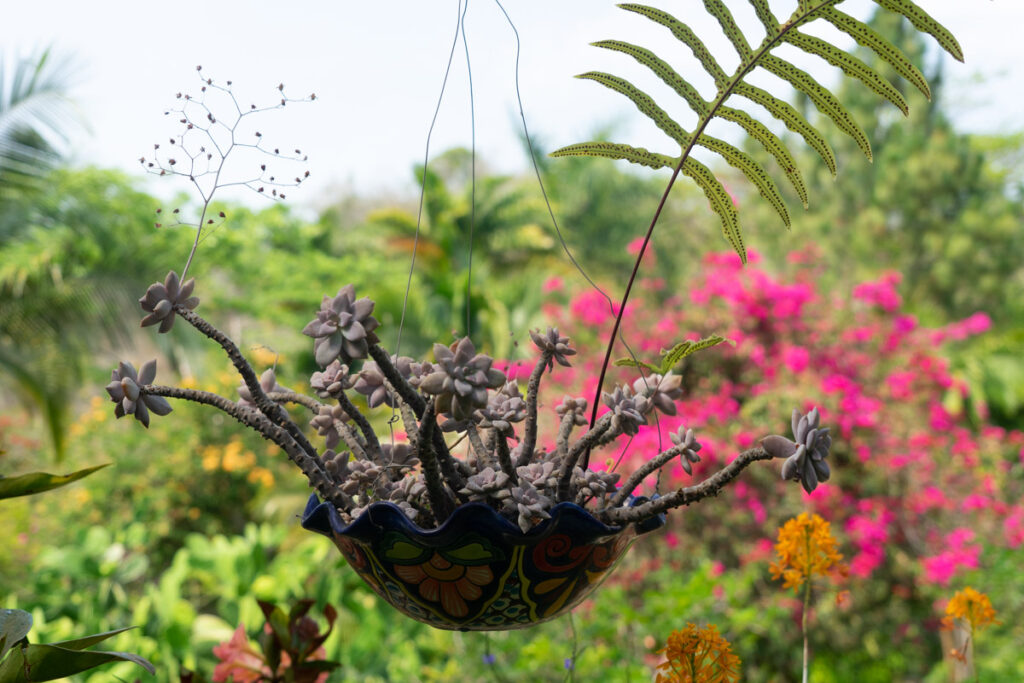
(342, 327)
(627, 410)
(486, 483)
(661, 392)
(540, 475)
(400, 456)
(370, 383)
(528, 505)
(325, 423)
(554, 344)
(332, 381)
(460, 379)
(161, 298)
(685, 440)
(578, 408)
(125, 390)
(504, 408)
(362, 478)
(805, 457)
(593, 484)
(268, 382)
(336, 464)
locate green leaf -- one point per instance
(685, 34)
(672, 357)
(721, 203)
(644, 102)
(768, 20)
(850, 65)
(661, 68)
(613, 150)
(719, 11)
(89, 641)
(14, 626)
(751, 169)
(772, 144)
(873, 40)
(50, 662)
(825, 101)
(923, 22)
(37, 482)
(793, 119)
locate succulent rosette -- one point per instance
(126, 390)
(161, 298)
(342, 327)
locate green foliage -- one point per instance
(776, 34)
(674, 356)
(22, 662)
(38, 482)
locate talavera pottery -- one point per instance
(478, 571)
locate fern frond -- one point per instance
(672, 357)
(751, 58)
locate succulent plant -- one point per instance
(486, 483)
(685, 440)
(576, 406)
(268, 382)
(342, 327)
(161, 297)
(805, 457)
(528, 505)
(325, 424)
(460, 379)
(552, 343)
(627, 410)
(504, 408)
(333, 380)
(661, 391)
(370, 383)
(125, 390)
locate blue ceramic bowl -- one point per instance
(478, 571)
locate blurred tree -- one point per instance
(498, 242)
(36, 118)
(75, 252)
(931, 205)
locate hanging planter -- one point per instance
(504, 535)
(478, 571)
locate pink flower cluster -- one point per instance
(914, 485)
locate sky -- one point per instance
(377, 67)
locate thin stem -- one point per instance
(363, 424)
(688, 495)
(807, 603)
(259, 422)
(440, 503)
(532, 387)
(582, 446)
(649, 467)
(505, 459)
(273, 411)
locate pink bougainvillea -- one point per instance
(911, 476)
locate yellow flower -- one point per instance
(262, 355)
(805, 548)
(698, 655)
(973, 607)
(261, 476)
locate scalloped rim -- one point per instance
(323, 518)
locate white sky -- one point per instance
(376, 68)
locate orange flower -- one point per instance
(973, 607)
(805, 548)
(698, 655)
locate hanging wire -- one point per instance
(423, 184)
(472, 181)
(558, 231)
